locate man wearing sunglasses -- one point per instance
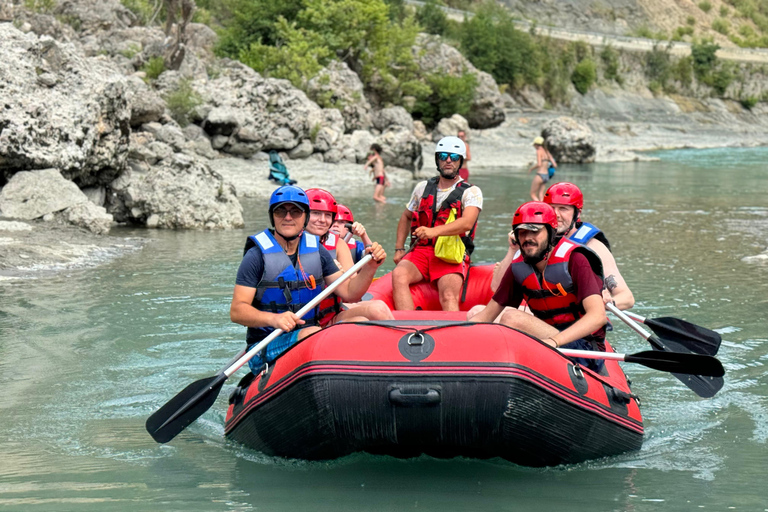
(282, 270)
(425, 218)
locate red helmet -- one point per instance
(564, 193)
(534, 212)
(321, 200)
(344, 213)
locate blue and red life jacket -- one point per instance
(283, 286)
(586, 232)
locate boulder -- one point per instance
(569, 141)
(78, 123)
(392, 116)
(400, 148)
(263, 113)
(420, 132)
(450, 126)
(46, 193)
(95, 16)
(434, 56)
(181, 192)
(339, 87)
(146, 105)
(359, 142)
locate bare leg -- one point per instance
(403, 276)
(449, 288)
(535, 188)
(306, 331)
(364, 311)
(528, 324)
(378, 194)
(476, 309)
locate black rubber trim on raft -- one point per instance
(572, 429)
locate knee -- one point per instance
(400, 276)
(511, 318)
(449, 294)
(378, 310)
(474, 310)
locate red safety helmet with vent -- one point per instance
(567, 194)
(344, 213)
(533, 214)
(322, 200)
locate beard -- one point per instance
(535, 257)
(447, 176)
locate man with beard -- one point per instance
(567, 201)
(425, 218)
(561, 281)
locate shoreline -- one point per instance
(32, 248)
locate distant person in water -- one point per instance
(376, 167)
(464, 171)
(545, 168)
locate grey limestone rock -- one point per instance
(569, 141)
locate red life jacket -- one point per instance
(553, 299)
(329, 306)
(429, 215)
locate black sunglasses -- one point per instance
(443, 156)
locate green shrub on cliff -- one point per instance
(584, 75)
(493, 44)
(182, 101)
(610, 58)
(448, 95)
(432, 18)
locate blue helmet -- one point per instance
(289, 194)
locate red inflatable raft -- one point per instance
(429, 382)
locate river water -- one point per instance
(86, 355)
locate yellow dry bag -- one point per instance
(450, 248)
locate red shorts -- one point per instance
(432, 267)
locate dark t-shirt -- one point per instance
(585, 283)
(252, 267)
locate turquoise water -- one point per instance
(87, 355)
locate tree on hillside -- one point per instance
(178, 15)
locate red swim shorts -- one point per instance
(432, 267)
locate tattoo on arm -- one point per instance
(610, 283)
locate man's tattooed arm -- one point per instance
(610, 283)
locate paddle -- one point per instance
(188, 405)
(704, 386)
(692, 337)
(675, 362)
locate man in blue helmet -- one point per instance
(282, 270)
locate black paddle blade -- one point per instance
(694, 338)
(676, 362)
(704, 386)
(168, 421)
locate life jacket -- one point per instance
(428, 213)
(357, 249)
(283, 286)
(331, 241)
(329, 306)
(586, 232)
(553, 299)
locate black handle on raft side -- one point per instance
(414, 397)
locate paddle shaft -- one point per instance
(303, 311)
(191, 402)
(627, 320)
(592, 354)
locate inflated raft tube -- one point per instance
(429, 383)
(476, 290)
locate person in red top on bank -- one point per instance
(562, 283)
(425, 219)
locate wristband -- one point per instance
(369, 245)
(399, 249)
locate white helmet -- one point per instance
(452, 145)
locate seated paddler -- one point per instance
(282, 270)
(560, 279)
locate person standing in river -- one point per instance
(376, 166)
(545, 168)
